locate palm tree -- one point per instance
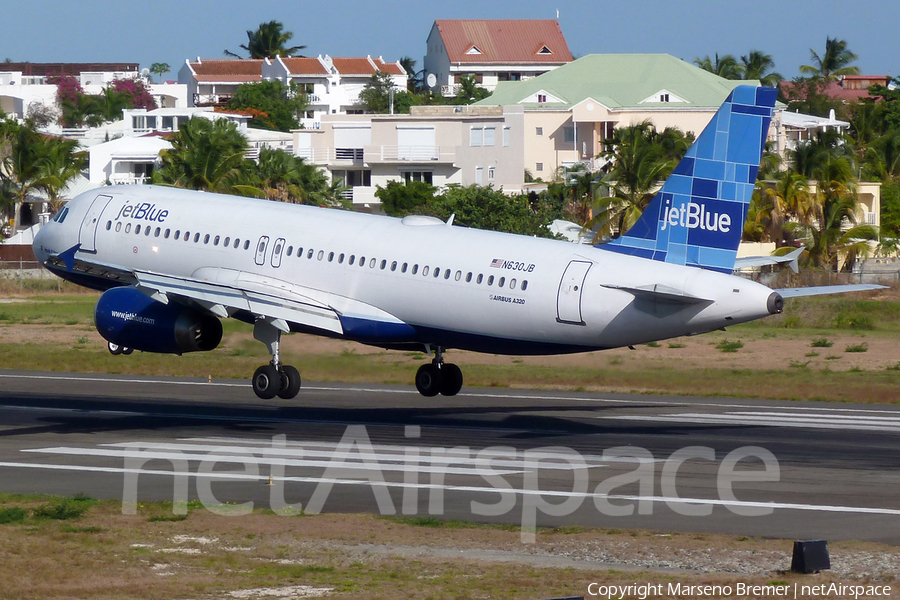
(828, 242)
(581, 190)
(207, 155)
(789, 198)
(268, 41)
(160, 69)
(641, 159)
(757, 65)
(20, 169)
(59, 166)
(726, 67)
(833, 63)
(415, 80)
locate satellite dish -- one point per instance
(431, 80)
(145, 72)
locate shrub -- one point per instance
(864, 347)
(730, 345)
(822, 343)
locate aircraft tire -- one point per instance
(428, 380)
(267, 382)
(290, 382)
(452, 379)
(114, 349)
(127, 351)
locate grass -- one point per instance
(821, 343)
(730, 345)
(864, 347)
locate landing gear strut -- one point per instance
(439, 377)
(116, 349)
(274, 379)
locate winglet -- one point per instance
(697, 217)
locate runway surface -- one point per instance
(798, 470)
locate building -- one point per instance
(570, 111)
(24, 84)
(849, 89)
(332, 85)
(492, 51)
(440, 145)
(212, 82)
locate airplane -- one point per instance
(171, 263)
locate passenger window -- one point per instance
(147, 231)
(310, 253)
(118, 227)
(108, 225)
(501, 282)
(352, 259)
(394, 266)
(227, 242)
(362, 261)
(383, 264)
(216, 241)
(437, 272)
(403, 268)
(480, 277)
(237, 243)
(299, 252)
(491, 280)
(512, 284)
(330, 256)
(196, 238)
(128, 228)
(446, 273)
(290, 250)
(425, 271)
(320, 255)
(458, 275)
(276, 252)
(187, 236)
(137, 230)
(341, 259)
(260, 258)
(415, 269)
(371, 263)
(246, 244)
(524, 285)
(206, 239)
(168, 231)
(157, 232)
(469, 277)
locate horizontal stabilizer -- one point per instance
(821, 290)
(790, 258)
(660, 293)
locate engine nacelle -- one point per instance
(126, 317)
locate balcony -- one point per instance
(332, 156)
(411, 154)
(129, 179)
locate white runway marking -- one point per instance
(862, 421)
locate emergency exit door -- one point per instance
(568, 301)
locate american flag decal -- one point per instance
(497, 263)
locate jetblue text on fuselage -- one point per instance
(693, 216)
(143, 212)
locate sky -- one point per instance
(171, 31)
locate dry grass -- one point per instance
(105, 554)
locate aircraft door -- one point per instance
(87, 236)
(261, 246)
(277, 251)
(568, 301)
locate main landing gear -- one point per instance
(116, 349)
(274, 379)
(439, 377)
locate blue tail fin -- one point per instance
(697, 218)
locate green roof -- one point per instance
(619, 81)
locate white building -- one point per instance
(440, 145)
(492, 51)
(332, 85)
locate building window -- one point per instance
(538, 131)
(490, 173)
(479, 175)
(539, 167)
(542, 97)
(426, 176)
(569, 134)
(506, 137)
(663, 97)
(489, 136)
(476, 136)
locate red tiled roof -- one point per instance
(389, 68)
(504, 41)
(354, 66)
(74, 69)
(850, 88)
(304, 66)
(228, 69)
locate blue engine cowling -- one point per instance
(126, 317)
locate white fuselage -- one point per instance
(494, 292)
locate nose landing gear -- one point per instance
(439, 377)
(274, 379)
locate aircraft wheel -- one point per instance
(428, 380)
(114, 349)
(267, 382)
(452, 379)
(127, 351)
(290, 382)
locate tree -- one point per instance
(470, 91)
(726, 67)
(415, 80)
(641, 159)
(268, 41)
(277, 106)
(61, 163)
(207, 155)
(399, 199)
(833, 63)
(160, 69)
(376, 94)
(757, 65)
(288, 178)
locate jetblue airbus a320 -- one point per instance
(172, 263)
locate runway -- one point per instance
(798, 470)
